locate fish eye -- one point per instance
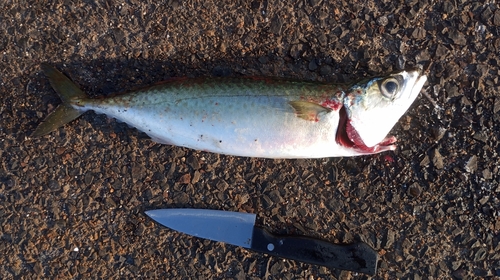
(389, 87)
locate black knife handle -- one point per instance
(358, 257)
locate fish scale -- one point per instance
(253, 117)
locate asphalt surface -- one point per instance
(72, 203)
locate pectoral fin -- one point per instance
(309, 111)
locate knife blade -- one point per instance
(239, 229)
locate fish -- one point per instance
(253, 116)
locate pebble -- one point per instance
(193, 162)
(437, 159)
(312, 65)
(471, 164)
(383, 21)
(185, 179)
(415, 190)
(418, 33)
(276, 25)
(457, 37)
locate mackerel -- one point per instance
(253, 117)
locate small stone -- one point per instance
(276, 268)
(487, 14)
(496, 18)
(267, 201)
(422, 57)
(425, 161)
(222, 47)
(441, 51)
(418, 33)
(38, 268)
(193, 162)
(480, 254)
(182, 198)
(487, 174)
(185, 179)
(110, 202)
(383, 21)
(196, 177)
(448, 7)
(455, 265)
(137, 171)
(118, 34)
(312, 65)
(53, 185)
(496, 106)
(451, 90)
(389, 239)
(276, 25)
(171, 170)
(484, 199)
(437, 133)
(471, 165)
(481, 136)
(437, 159)
(139, 231)
(60, 150)
(415, 190)
(88, 178)
(222, 185)
(148, 194)
(276, 196)
(457, 37)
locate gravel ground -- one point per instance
(72, 203)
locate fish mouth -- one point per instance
(348, 137)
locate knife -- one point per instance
(239, 229)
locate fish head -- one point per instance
(374, 106)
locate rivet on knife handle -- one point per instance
(358, 257)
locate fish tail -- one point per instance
(64, 113)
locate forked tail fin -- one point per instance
(65, 113)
